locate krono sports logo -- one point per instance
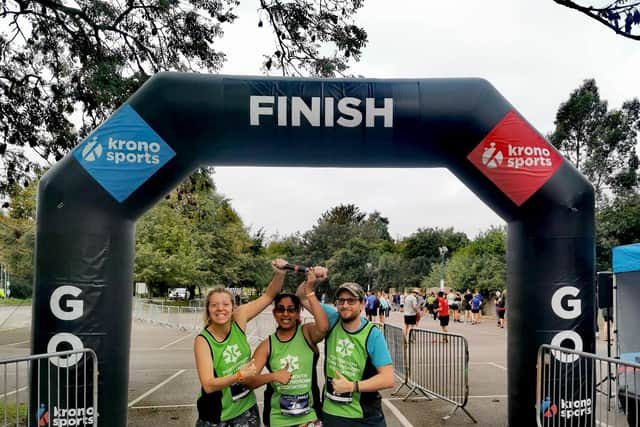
(63, 417)
(92, 150)
(515, 158)
(491, 157)
(123, 153)
(547, 408)
(42, 415)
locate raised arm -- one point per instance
(315, 332)
(248, 311)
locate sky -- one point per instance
(534, 52)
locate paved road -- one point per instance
(163, 384)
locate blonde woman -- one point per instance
(223, 357)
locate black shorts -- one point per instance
(453, 306)
(444, 320)
(476, 310)
(410, 320)
(501, 314)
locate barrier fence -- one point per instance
(438, 366)
(67, 389)
(583, 389)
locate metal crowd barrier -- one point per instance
(576, 388)
(190, 319)
(394, 336)
(71, 375)
(438, 366)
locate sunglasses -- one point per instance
(348, 301)
(281, 309)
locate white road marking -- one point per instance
(133, 402)
(396, 412)
(13, 392)
(497, 366)
(164, 347)
(16, 343)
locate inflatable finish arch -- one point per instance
(88, 203)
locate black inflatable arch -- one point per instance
(88, 203)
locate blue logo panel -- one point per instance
(123, 153)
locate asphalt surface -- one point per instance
(163, 384)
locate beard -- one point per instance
(348, 316)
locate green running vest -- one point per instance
(291, 404)
(228, 356)
(347, 352)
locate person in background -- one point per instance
(223, 356)
(357, 363)
(383, 311)
(467, 297)
(451, 300)
(370, 306)
(501, 307)
(410, 312)
(479, 295)
(475, 308)
(431, 305)
(291, 353)
(443, 313)
(456, 307)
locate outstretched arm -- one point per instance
(314, 331)
(248, 311)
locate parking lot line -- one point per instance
(133, 402)
(497, 366)
(164, 347)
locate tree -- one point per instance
(622, 16)
(479, 265)
(617, 224)
(599, 142)
(194, 238)
(65, 66)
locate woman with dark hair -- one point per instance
(223, 356)
(292, 353)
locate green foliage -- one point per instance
(64, 68)
(194, 237)
(479, 265)
(349, 264)
(599, 142)
(617, 224)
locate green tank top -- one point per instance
(347, 352)
(229, 356)
(291, 404)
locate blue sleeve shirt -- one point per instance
(376, 344)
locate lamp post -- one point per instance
(369, 265)
(443, 250)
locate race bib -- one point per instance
(238, 391)
(294, 404)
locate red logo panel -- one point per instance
(515, 158)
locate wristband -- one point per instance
(356, 386)
(310, 294)
(240, 377)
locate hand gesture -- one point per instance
(283, 376)
(341, 384)
(278, 264)
(321, 273)
(248, 370)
